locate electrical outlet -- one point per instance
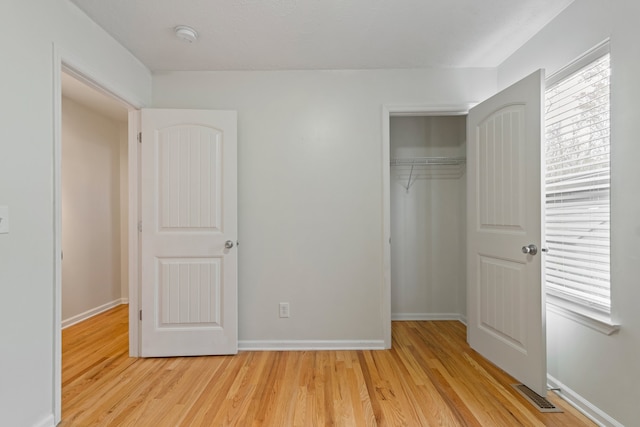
(4, 219)
(284, 309)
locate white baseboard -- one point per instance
(94, 311)
(591, 411)
(294, 345)
(427, 316)
(47, 421)
(298, 345)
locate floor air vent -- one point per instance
(541, 403)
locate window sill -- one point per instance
(589, 318)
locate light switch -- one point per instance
(4, 219)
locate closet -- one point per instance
(428, 217)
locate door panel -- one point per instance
(501, 196)
(190, 169)
(189, 292)
(502, 299)
(505, 292)
(188, 211)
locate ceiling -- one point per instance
(322, 34)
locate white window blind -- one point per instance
(577, 182)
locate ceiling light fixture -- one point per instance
(186, 33)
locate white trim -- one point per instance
(94, 78)
(583, 60)
(299, 345)
(385, 297)
(580, 314)
(388, 111)
(71, 63)
(134, 236)
(591, 411)
(57, 234)
(427, 317)
(45, 422)
(92, 312)
(408, 110)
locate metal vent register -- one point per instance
(541, 403)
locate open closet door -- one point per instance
(189, 228)
(506, 311)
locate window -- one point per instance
(577, 182)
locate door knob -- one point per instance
(228, 244)
(531, 249)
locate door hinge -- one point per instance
(139, 136)
(139, 226)
(140, 315)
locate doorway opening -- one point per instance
(505, 292)
(94, 219)
(93, 181)
(401, 154)
(428, 217)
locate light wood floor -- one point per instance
(430, 378)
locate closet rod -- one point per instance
(425, 161)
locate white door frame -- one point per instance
(389, 111)
(70, 63)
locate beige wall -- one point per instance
(91, 210)
(124, 210)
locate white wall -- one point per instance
(427, 220)
(310, 187)
(91, 214)
(605, 370)
(27, 39)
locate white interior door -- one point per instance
(189, 219)
(506, 312)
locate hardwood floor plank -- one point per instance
(429, 378)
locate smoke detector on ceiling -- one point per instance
(186, 33)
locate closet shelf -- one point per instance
(426, 161)
(451, 167)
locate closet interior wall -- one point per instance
(428, 219)
(94, 212)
